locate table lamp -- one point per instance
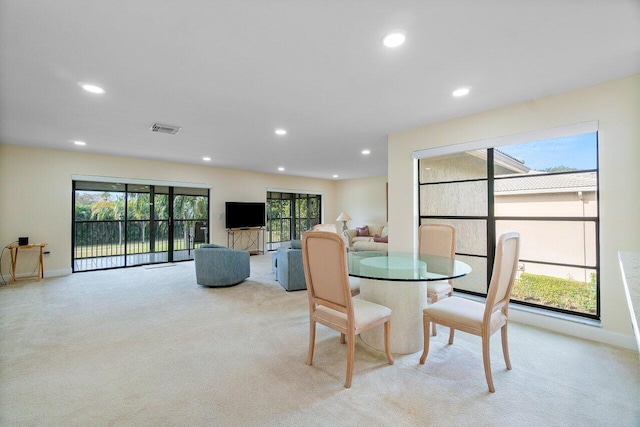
(344, 217)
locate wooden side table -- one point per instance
(14, 248)
(246, 239)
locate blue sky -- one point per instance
(576, 151)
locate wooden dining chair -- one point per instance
(330, 303)
(325, 227)
(438, 240)
(354, 282)
(478, 318)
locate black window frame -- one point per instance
(296, 224)
(491, 220)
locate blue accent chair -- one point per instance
(218, 266)
(288, 267)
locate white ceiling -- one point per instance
(230, 72)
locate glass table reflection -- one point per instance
(398, 280)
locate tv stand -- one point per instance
(246, 239)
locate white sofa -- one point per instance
(366, 243)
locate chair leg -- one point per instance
(434, 331)
(342, 338)
(486, 358)
(387, 339)
(505, 346)
(351, 350)
(425, 329)
(451, 332)
(312, 340)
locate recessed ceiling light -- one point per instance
(394, 38)
(206, 159)
(365, 152)
(79, 142)
(335, 176)
(92, 88)
(461, 92)
(281, 132)
(281, 169)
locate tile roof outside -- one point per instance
(548, 183)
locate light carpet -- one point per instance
(149, 347)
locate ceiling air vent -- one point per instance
(157, 127)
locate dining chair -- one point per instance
(478, 318)
(330, 302)
(438, 240)
(325, 227)
(354, 282)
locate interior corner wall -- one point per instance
(616, 106)
(36, 194)
(365, 200)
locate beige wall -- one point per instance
(364, 200)
(616, 106)
(35, 194)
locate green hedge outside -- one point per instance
(568, 294)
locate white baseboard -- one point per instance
(586, 329)
(47, 273)
(57, 273)
(574, 326)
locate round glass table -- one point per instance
(398, 280)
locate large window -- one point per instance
(289, 215)
(547, 190)
(122, 225)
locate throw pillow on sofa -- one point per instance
(380, 239)
(362, 231)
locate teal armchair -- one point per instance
(288, 268)
(218, 266)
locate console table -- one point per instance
(246, 239)
(14, 248)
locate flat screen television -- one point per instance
(244, 214)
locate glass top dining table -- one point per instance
(398, 280)
(404, 266)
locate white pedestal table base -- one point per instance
(406, 301)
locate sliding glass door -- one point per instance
(289, 215)
(122, 225)
(138, 226)
(190, 215)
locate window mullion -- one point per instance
(491, 218)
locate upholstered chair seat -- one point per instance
(438, 290)
(466, 314)
(365, 312)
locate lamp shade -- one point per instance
(343, 217)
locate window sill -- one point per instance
(556, 315)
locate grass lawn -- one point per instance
(568, 294)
